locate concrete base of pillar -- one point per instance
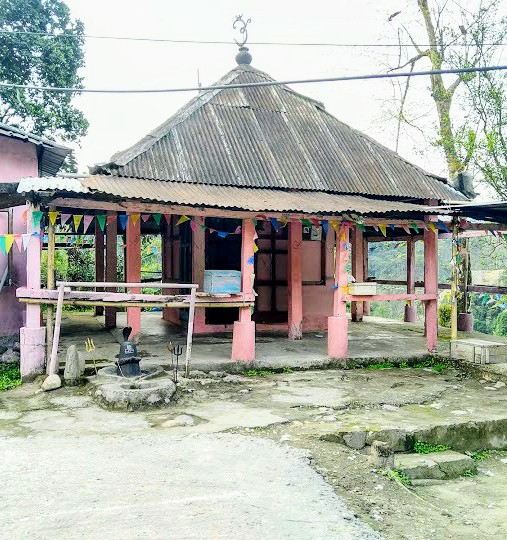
(357, 315)
(243, 342)
(410, 314)
(296, 331)
(337, 337)
(32, 345)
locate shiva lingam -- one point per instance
(127, 364)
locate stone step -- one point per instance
(435, 466)
(459, 435)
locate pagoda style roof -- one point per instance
(271, 137)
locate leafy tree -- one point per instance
(457, 35)
(32, 59)
(488, 98)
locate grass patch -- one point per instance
(481, 455)
(427, 448)
(436, 364)
(470, 473)
(399, 476)
(10, 377)
(381, 365)
(258, 372)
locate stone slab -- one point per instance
(436, 465)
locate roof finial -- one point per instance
(243, 56)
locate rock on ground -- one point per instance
(74, 365)
(9, 356)
(51, 382)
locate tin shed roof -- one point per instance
(271, 137)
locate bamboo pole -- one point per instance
(454, 281)
(72, 302)
(50, 285)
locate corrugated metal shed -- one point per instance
(271, 137)
(51, 156)
(250, 199)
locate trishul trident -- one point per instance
(90, 348)
(242, 29)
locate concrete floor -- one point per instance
(241, 467)
(372, 339)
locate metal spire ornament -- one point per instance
(243, 57)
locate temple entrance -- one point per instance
(271, 274)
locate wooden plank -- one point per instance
(389, 297)
(39, 301)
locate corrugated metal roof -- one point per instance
(250, 199)
(271, 137)
(52, 155)
(52, 183)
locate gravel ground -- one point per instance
(136, 485)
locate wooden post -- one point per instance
(295, 280)
(111, 264)
(190, 330)
(454, 281)
(32, 335)
(133, 268)
(167, 256)
(366, 304)
(337, 337)
(243, 337)
(431, 287)
(50, 286)
(99, 262)
(53, 366)
(356, 308)
(410, 309)
(198, 265)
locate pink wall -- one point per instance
(17, 159)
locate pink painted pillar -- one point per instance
(410, 309)
(337, 324)
(133, 268)
(243, 337)
(111, 264)
(366, 305)
(356, 308)
(295, 280)
(198, 264)
(32, 335)
(431, 287)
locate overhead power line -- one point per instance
(218, 42)
(74, 90)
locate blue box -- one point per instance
(222, 281)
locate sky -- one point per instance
(118, 121)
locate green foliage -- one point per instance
(481, 455)
(427, 448)
(41, 60)
(258, 372)
(404, 364)
(470, 473)
(10, 377)
(381, 365)
(501, 324)
(286, 369)
(444, 315)
(399, 476)
(436, 364)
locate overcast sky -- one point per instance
(118, 121)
